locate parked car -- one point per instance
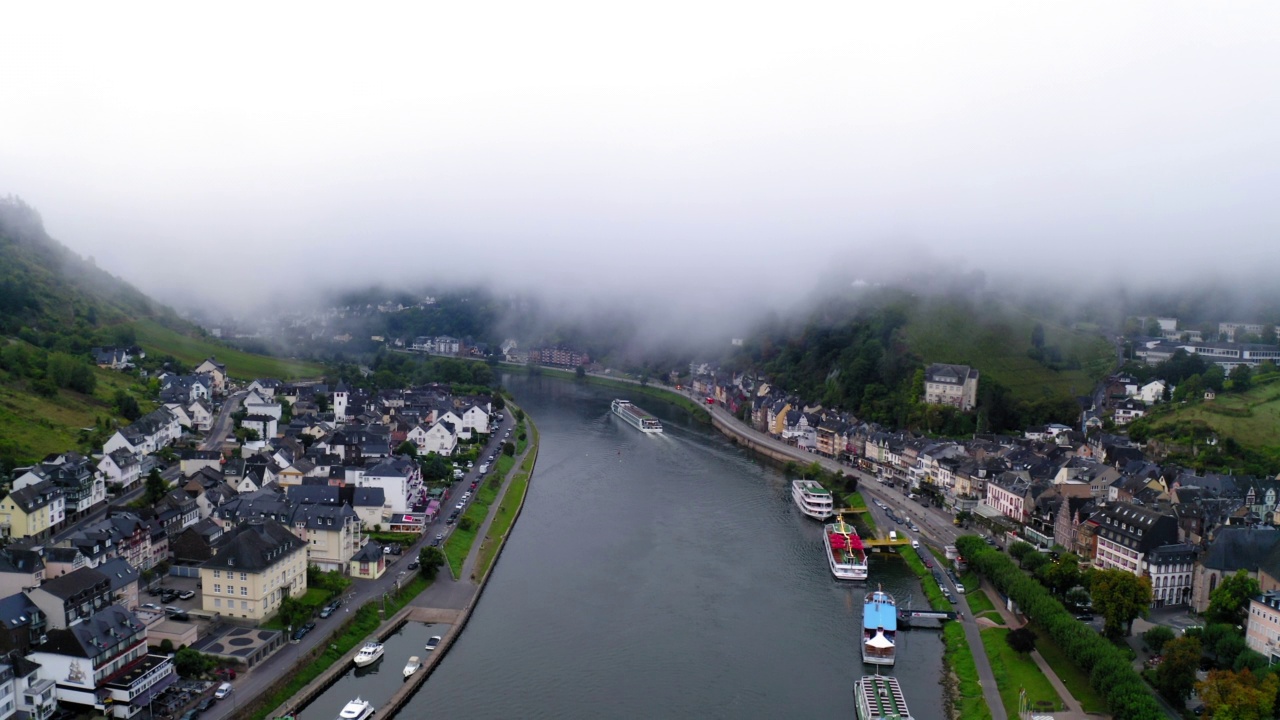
(186, 594)
(413, 565)
(225, 673)
(151, 606)
(205, 704)
(439, 539)
(223, 690)
(326, 611)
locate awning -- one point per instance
(145, 696)
(880, 642)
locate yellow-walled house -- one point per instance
(369, 563)
(32, 511)
(257, 566)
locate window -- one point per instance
(217, 588)
(217, 573)
(243, 577)
(217, 602)
(244, 590)
(244, 605)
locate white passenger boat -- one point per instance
(412, 666)
(879, 697)
(879, 628)
(356, 710)
(812, 499)
(846, 555)
(369, 654)
(641, 420)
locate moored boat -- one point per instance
(812, 499)
(412, 666)
(846, 556)
(879, 628)
(641, 420)
(879, 697)
(369, 654)
(356, 710)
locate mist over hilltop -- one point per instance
(695, 164)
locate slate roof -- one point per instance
(92, 637)
(36, 496)
(73, 583)
(119, 572)
(255, 546)
(1239, 547)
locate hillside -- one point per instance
(190, 350)
(1241, 426)
(996, 338)
(54, 307)
(865, 352)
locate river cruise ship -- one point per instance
(845, 554)
(812, 499)
(879, 697)
(643, 421)
(879, 628)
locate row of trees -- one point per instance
(1109, 670)
(47, 372)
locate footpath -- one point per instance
(1073, 710)
(446, 599)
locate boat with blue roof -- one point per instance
(879, 628)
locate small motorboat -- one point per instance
(433, 642)
(356, 710)
(412, 666)
(369, 654)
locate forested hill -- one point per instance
(47, 288)
(866, 353)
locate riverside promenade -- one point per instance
(447, 600)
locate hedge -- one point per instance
(1110, 672)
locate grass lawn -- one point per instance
(1076, 680)
(501, 524)
(968, 699)
(158, 339)
(855, 501)
(979, 602)
(994, 617)
(1015, 671)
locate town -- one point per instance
(258, 505)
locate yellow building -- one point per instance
(256, 567)
(32, 511)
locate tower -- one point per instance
(340, 402)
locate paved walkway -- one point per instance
(1073, 710)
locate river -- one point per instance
(658, 576)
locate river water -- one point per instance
(660, 577)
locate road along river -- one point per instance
(661, 576)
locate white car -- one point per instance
(915, 544)
(960, 587)
(223, 690)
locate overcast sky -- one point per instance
(205, 152)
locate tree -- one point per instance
(580, 372)
(1229, 601)
(1120, 597)
(407, 448)
(498, 402)
(1022, 640)
(1241, 378)
(193, 663)
(1157, 637)
(1176, 675)
(1019, 548)
(1060, 575)
(509, 448)
(1239, 695)
(1034, 560)
(293, 613)
(430, 559)
(126, 406)
(466, 524)
(156, 487)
